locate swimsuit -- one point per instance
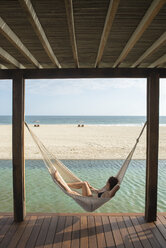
(99, 194)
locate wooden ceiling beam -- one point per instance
(91, 73)
(10, 59)
(158, 43)
(112, 9)
(3, 66)
(13, 38)
(145, 22)
(70, 20)
(158, 62)
(55, 73)
(27, 6)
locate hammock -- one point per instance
(89, 204)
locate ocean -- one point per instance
(86, 120)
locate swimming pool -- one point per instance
(42, 195)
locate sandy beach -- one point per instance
(89, 142)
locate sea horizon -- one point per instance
(115, 120)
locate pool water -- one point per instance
(42, 195)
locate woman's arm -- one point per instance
(92, 188)
(111, 193)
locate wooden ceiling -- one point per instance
(82, 33)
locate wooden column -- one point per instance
(152, 147)
(18, 147)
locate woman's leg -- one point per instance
(86, 190)
(84, 185)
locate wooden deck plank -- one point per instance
(92, 232)
(84, 232)
(51, 232)
(59, 232)
(124, 233)
(116, 233)
(157, 234)
(8, 237)
(161, 227)
(162, 219)
(132, 232)
(67, 232)
(76, 232)
(27, 232)
(84, 214)
(35, 232)
(43, 232)
(149, 234)
(108, 232)
(141, 234)
(3, 220)
(20, 227)
(6, 227)
(100, 232)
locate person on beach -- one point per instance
(108, 191)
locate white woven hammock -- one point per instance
(89, 204)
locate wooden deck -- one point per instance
(82, 230)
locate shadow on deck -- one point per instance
(82, 230)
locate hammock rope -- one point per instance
(120, 175)
(53, 164)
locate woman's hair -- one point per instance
(112, 181)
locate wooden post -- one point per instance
(152, 147)
(18, 147)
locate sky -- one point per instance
(82, 97)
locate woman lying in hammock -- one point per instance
(108, 191)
